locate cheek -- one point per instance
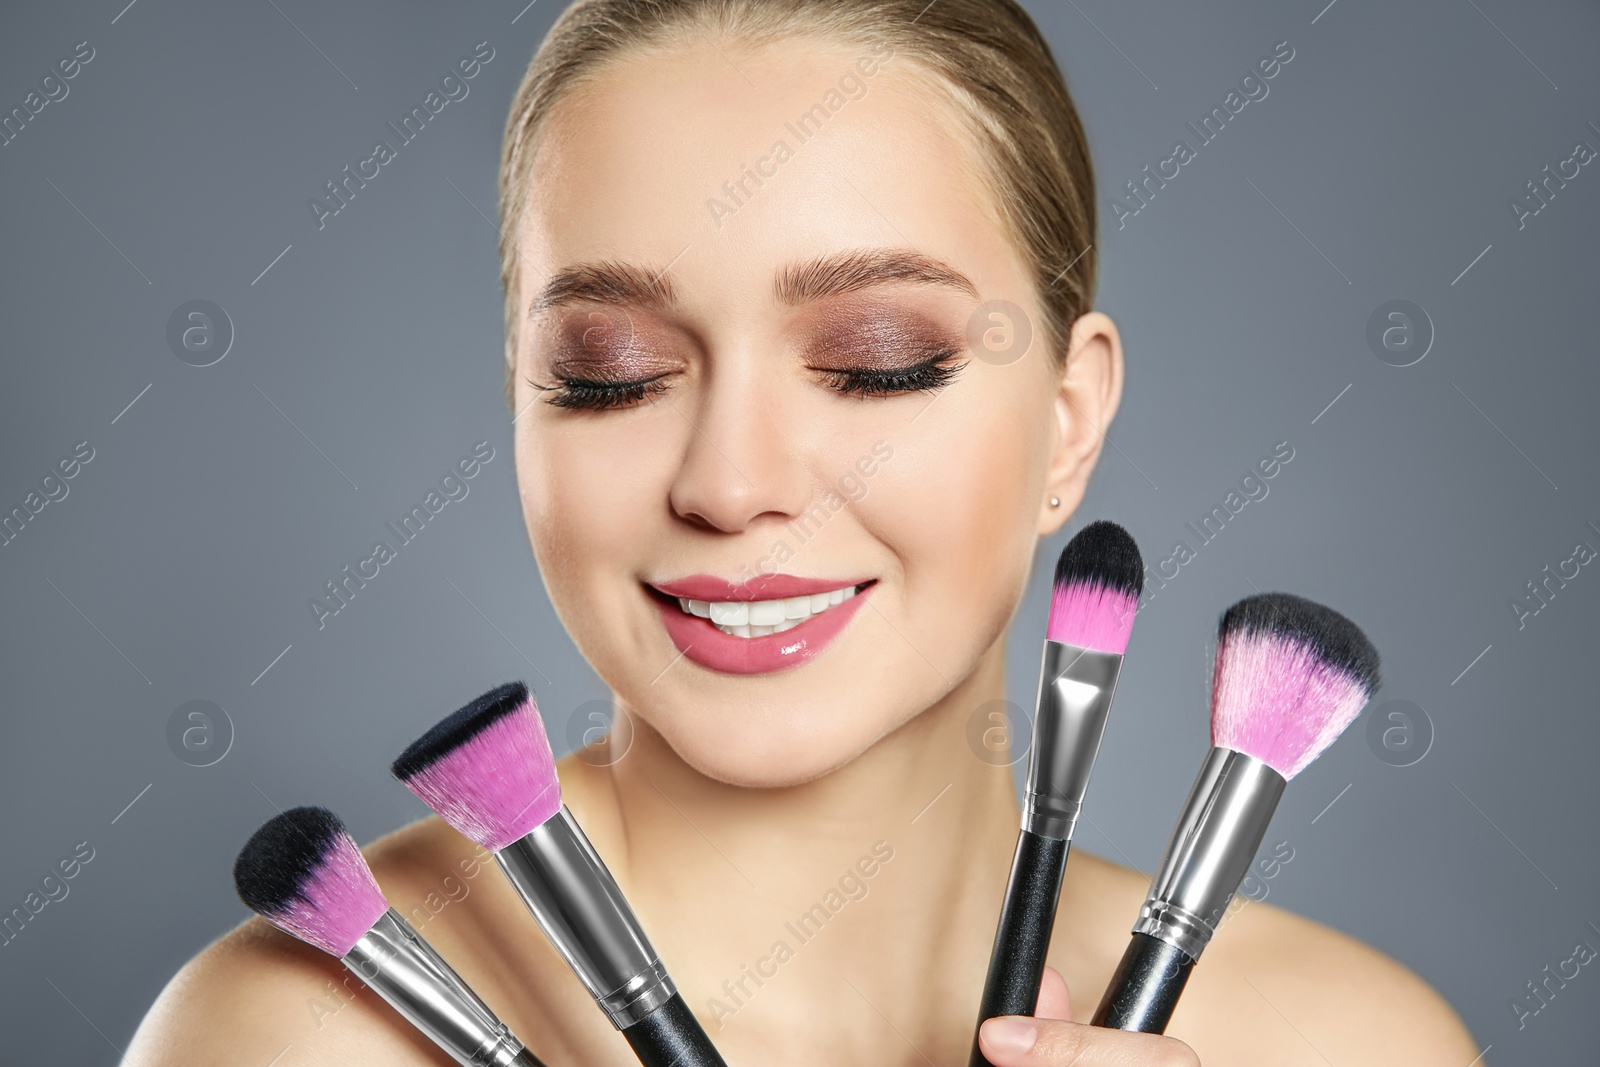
(959, 502)
(587, 492)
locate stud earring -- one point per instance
(1055, 502)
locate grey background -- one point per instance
(367, 361)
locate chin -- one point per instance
(770, 747)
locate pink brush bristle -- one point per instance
(1099, 579)
(304, 874)
(487, 769)
(1290, 676)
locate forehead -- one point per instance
(728, 163)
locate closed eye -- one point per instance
(591, 394)
(925, 376)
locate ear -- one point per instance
(1087, 394)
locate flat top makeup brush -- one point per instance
(303, 873)
(488, 771)
(1098, 581)
(1290, 676)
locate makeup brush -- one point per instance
(1290, 676)
(488, 771)
(303, 873)
(1098, 581)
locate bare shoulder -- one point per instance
(1272, 987)
(1325, 995)
(257, 993)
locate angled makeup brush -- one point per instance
(303, 873)
(488, 771)
(1290, 676)
(1098, 581)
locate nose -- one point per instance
(742, 460)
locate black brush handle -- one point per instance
(1022, 939)
(1145, 990)
(670, 1036)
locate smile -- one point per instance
(724, 627)
(758, 618)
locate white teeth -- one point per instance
(766, 612)
(730, 613)
(758, 618)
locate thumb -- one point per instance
(1049, 1038)
(1023, 1041)
(1054, 1001)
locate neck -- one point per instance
(888, 871)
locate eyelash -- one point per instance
(584, 394)
(926, 376)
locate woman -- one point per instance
(802, 288)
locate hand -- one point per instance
(1047, 1040)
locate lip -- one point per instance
(761, 587)
(702, 643)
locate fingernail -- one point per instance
(1010, 1035)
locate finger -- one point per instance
(1024, 1041)
(1054, 1000)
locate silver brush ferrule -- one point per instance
(404, 970)
(1210, 850)
(582, 911)
(1075, 687)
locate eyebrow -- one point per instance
(607, 282)
(833, 274)
(848, 272)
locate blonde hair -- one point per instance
(986, 54)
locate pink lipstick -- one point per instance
(765, 624)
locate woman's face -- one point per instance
(751, 278)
